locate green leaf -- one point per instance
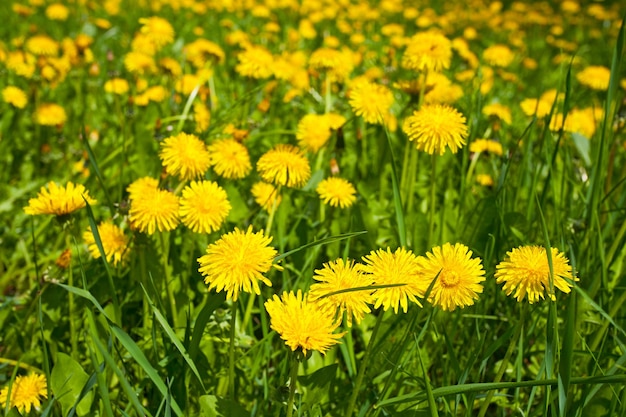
(212, 406)
(317, 385)
(67, 381)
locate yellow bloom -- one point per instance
(301, 323)
(116, 86)
(526, 272)
(141, 186)
(337, 192)
(229, 158)
(284, 165)
(57, 11)
(435, 126)
(237, 262)
(533, 106)
(314, 130)
(338, 276)
(255, 62)
(400, 267)
(139, 63)
(500, 111)
(50, 114)
(204, 206)
(59, 200)
(485, 180)
(114, 242)
(184, 155)
(498, 56)
(158, 30)
(14, 96)
(458, 275)
(202, 117)
(265, 195)
(428, 51)
(152, 210)
(595, 77)
(486, 145)
(337, 64)
(26, 393)
(371, 101)
(42, 45)
(203, 51)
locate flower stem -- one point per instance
(364, 364)
(270, 219)
(293, 376)
(168, 289)
(231, 352)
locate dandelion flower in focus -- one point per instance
(266, 195)
(185, 156)
(435, 126)
(428, 51)
(26, 393)
(50, 114)
(313, 132)
(158, 30)
(237, 262)
(371, 101)
(526, 272)
(301, 323)
(59, 200)
(343, 275)
(284, 165)
(141, 186)
(229, 158)
(255, 62)
(14, 96)
(114, 242)
(337, 192)
(459, 276)
(394, 268)
(595, 77)
(204, 206)
(152, 210)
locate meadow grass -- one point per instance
(141, 334)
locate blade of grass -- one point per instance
(397, 199)
(323, 241)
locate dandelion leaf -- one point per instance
(212, 406)
(67, 381)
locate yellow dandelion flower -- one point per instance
(152, 210)
(158, 30)
(393, 269)
(371, 101)
(229, 158)
(156, 93)
(338, 276)
(59, 200)
(42, 45)
(255, 62)
(202, 51)
(170, 66)
(486, 145)
(237, 262)
(485, 180)
(427, 51)
(532, 106)
(50, 114)
(202, 117)
(57, 11)
(338, 64)
(498, 110)
(204, 206)
(14, 96)
(435, 126)
(139, 63)
(459, 276)
(526, 272)
(185, 155)
(22, 63)
(337, 192)
(301, 323)
(498, 55)
(265, 195)
(141, 186)
(26, 393)
(595, 77)
(313, 132)
(187, 83)
(284, 165)
(114, 242)
(116, 86)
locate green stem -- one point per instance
(364, 364)
(21, 365)
(168, 289)
(504, 362)
(328, 103)
(71, 305)
(270, 219)
(433, 204)
(231, 352)
(293, 376)
(248, 313)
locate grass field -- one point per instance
(335, 208)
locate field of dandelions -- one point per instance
(296, 208)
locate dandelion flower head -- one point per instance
(459, 276)
(498, 55)
(301, 323)
(14, 96)
(185, 156)
(153, 209)
(204, 206)
(266, 195)
(202, 51)
(59, 200)
(371, 101)
(42, 45)
(595, 77)
(114, 242)
(498, 110)
(435, 127)
(526, 272)
(284, 165)
(313, 132)
(237, 262)
(486, 145)
(26, 393)
(158, 30)
(57, 11)
(342, 275)
(428, 51)
(116, 86)
(229, 158)
(50, 114)
(337, 192)
(141, 186)
(255, 62)
(400, 270)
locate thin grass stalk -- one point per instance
(293, 376)
(363, 366)
(167, 277)
(433, 205)
(270, 219)
(231, 352)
